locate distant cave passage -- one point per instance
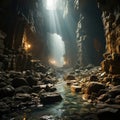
(56, 48)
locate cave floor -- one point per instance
(73, 106)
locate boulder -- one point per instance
(2, 84)
(69, 77)
(75, 88)
(23, 89)
(18, 82)
(24, 97)
(36, 89)
(114, 92)
(94, 87)
(48, 80)
(116, 80)
(50, 97)
(103, 97)
(7, 91)
(4, 108)
(93, 78)
(31, 81)
(108, 114)
(117, 99)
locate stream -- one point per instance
(72, 107)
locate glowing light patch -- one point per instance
(57, 49)
(51, 4)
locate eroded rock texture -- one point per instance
(111, 20)
(89, 33)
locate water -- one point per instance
(72, 107)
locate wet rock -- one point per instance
(103, 97)
(4, 108)
(114, 91)
(28, 72)
(93, 78)
(108, 114)
(23, 97)
(94, 87)
(47, 117)
(2, 84)
(23, 89)
(31, 81)
(110, 101)
(14, 74)
(7, 91)
(43, 86)
(69, 77)
(70, 82)
(50, 97)
(116, 80)
(107, 79)
(48, 80)
(117, 99)
(75, 88)
(36, 89)
(50, 88)
(41, 68)
(18, 82)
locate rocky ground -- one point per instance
(33, 89)
(99, 88)
(27, 89)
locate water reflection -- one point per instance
(72, 107)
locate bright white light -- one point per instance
(57, 49)
(51, 4)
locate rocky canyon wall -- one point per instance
(111, 20)
(89, 33)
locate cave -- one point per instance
(59, 60)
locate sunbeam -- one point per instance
(51, 4)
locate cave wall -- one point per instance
(89, 32)
(111, 20)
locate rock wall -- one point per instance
(111, 20)
(89, 33)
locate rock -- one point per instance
(36, 89)
(103, 97)
(18, 82)
(114, 69)
(110, 101)
(23, 97)
(48, 80)
(28, 73)
(47, 117)
(31, 81)
(108, 114)
(117, 99)
(50, 97)
(40, 68)
(14, 74)
(4, 108)
(2, 84)
(114, 91)
(69, 77)
(94, 87)
(93, 78)
(43, 87)
(75, 88)
(23, 89)
(7, 91)
(50, 88)
(116, 80)
(70, 82)
(107, 79)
